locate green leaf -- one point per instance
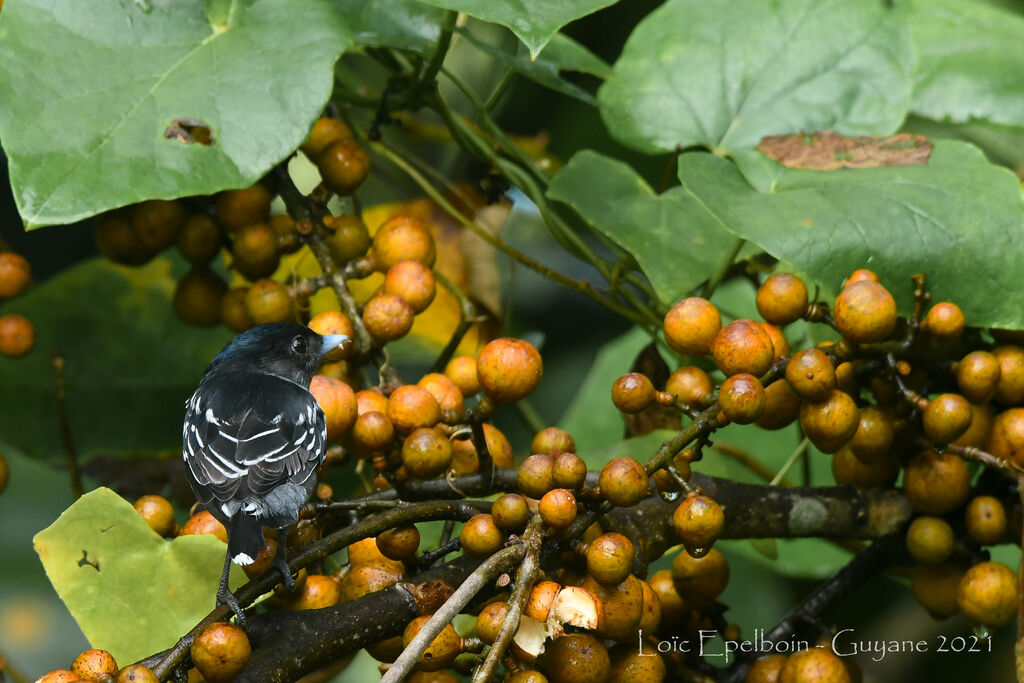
(405, 24)
(592, 419)
(561, 54)
(91, 89)
(1003, 145)
(130, 363)
(971, 55)
(534, 21)
(640, 448)
(724, 75)
(669, 235)
(132, 592)
(958, 219)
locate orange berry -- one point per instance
(930, 539)
(779, 343)
(946, 418)
(817, 665)
(490, 620)
(402, 238)
(349, 238)
(59, 676)
(399, 543)
(412, 281)
(743, 346)
(987, 594)
(831, 422)
(198, 297)
(699, 580)
(268, 301)
(874, 435)
(462, 371)
(535, 475)
(333, 322)
(558, 508)
(464, 456)
(238, 208)
(17, 335)
(338, 402)
(509, 369)
(480, 536)
(157, 513)
(986, 520)
(94, 665)
(847, 468)
(632, 392)
(254, 251)
(936, 483)
(136, 673)
(343, 166)
(691, 325)
(742, 398)
(782, 299)
(411, 407)
(698, 520)
(387, 317)
(935, 587)
(426, 453)
(317, 591)
(220, 651)
(691, 386)
(1010, 388)
(623, 482)
(569, 471)
(865, 312)
(552, 441)
(510, 512)
(781, 406)
(373, 430)
(610, 559)
(860, 275)
(371, 400)
(977, 376)
(810, 374)
(203, 523)
(945, 320)
(15, 273)
(157, 222)
(326, 130)
(441, 652)
(443, 390)
(233, 311)
(200, 239)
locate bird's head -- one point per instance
(284, 350)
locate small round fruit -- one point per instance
(317, 592)
(743, 346)
(632, 392)
(373, 431)
(443, 390)
(343, 166)
(157, 222)
(510, 512)
(977, 376)
(413, 282)
(542, 597)
(426, 453)
(610, 558)
(569, 471)
(220, 651)
(204, 523)
(946, 418)
(742, 398)
(333, 322)
(983, 417)
(462, 371)
(874, 434)
(698, 520)
(930, 540)
(410, 407)
(508, 369)
(118, 242)
(369, 577)
(945, 320)
(15, 273)
(847, 468)
(860, 275)
(465, 459)
(782, 299)
(552, 441)
(831, 422)
(263, 559)
(1006, 440)
(558, 508)
(700, 580)
(576, 658)
(283, 225)
(691, 386)
(535, 475)
(197, 298)
(371, 400)
(811, 374)
(765, 670)
(400, 543)
(490, 620)
(936, 483)
(623, 482)
(94, 665)
(480, 536)
(779, 343)
(781, 406)
(157, 513)
(987, 594)
(233, 311)
(935, 587)
(17, 335)
(239, 208)
(986, 520)
(349, 238)
(814, 665)
(326, 130)
(441, 652)
(254, 251)
(200, 239)
(691, 326)
(1010, 388)
(136, 673)
(865, 312)
(59, 676)
(387, 317)
(268, 301)
(402, 238)
(338, 402)
(633, 664)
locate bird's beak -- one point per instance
(332, 341)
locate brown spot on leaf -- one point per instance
(829, 151)
(190, 131)
(86, 562)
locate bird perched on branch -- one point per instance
(254, 437)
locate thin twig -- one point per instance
(58, 362)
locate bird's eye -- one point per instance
(299, 345)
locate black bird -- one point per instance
(254, 436)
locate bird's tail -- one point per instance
(245, 538)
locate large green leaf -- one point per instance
(971, 55)
(132, 592)
(669, 235)
(534, 21)
(130, 362)
(406, 24)
(90, 89)
(723, 75)
(958, 219)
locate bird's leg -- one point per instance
(224, 594)
(280, 560)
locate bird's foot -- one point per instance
(287, 582)
(226, 597)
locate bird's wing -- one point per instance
(245, 441)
